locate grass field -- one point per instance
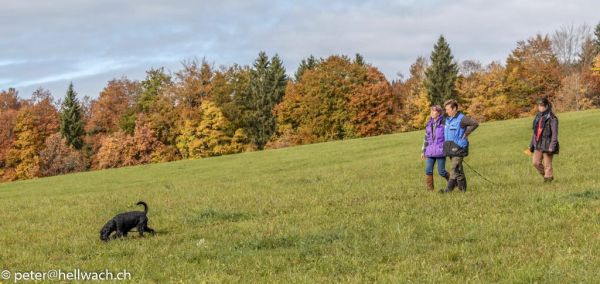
(352, 211)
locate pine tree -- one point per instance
(359, 60)
(71, 123)
(267, 86)
(441, 74)
(306, 64)
(597, 38)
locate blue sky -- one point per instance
(50, 43)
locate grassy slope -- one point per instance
(350, 210)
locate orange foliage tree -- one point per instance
(336, 99)
(532, 71)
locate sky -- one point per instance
(48, 44)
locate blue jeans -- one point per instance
(441, 165)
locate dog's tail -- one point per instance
(143, 204)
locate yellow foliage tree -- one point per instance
(421, 105)
(23, 155)
(596, 67)
(485, 93)
(207, 137)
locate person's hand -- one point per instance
(551, 150)
(422, 156)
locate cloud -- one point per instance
(50, 43)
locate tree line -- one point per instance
(203, 111)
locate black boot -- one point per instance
(462, 185)
(451, 186)
(447, 177)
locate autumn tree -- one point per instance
(371, 104)
(159, 109)
(193, 84)
(9, 99)
(35, 120)
(441, 74)
(205, 137)
(47, 118)
(485, 95)
(121, 149)
(596, 66)
(314, 108)
(113, 150)
(593, 78)
(71, 124)
(113, 102)
(152, 87)
(337, 99)
(23, 156)
(145, 148)
(412, 98)
(532, 71)
(58, 157)
(9, 106)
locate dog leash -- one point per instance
(472, 169)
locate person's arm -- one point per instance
(531, 145)
(469, 124)
(554, 128)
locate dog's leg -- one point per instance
(120, 232)
(141, 228)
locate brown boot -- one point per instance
(429, 182)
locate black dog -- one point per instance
(124, 222)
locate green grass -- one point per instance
(352, 211)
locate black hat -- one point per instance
(543, 101)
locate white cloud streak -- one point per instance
(50, 43)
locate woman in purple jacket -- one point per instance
(433, 146)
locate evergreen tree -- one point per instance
(71, 123)
(597, 38)
(306, 64)
(441, 74)
(267, 86)
(359, 60)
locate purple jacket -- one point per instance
(433, 147)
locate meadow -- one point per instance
(345, 211)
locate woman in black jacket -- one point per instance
(544, 140)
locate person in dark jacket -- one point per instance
(457, 129)
(433, 147)
(544, 140)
